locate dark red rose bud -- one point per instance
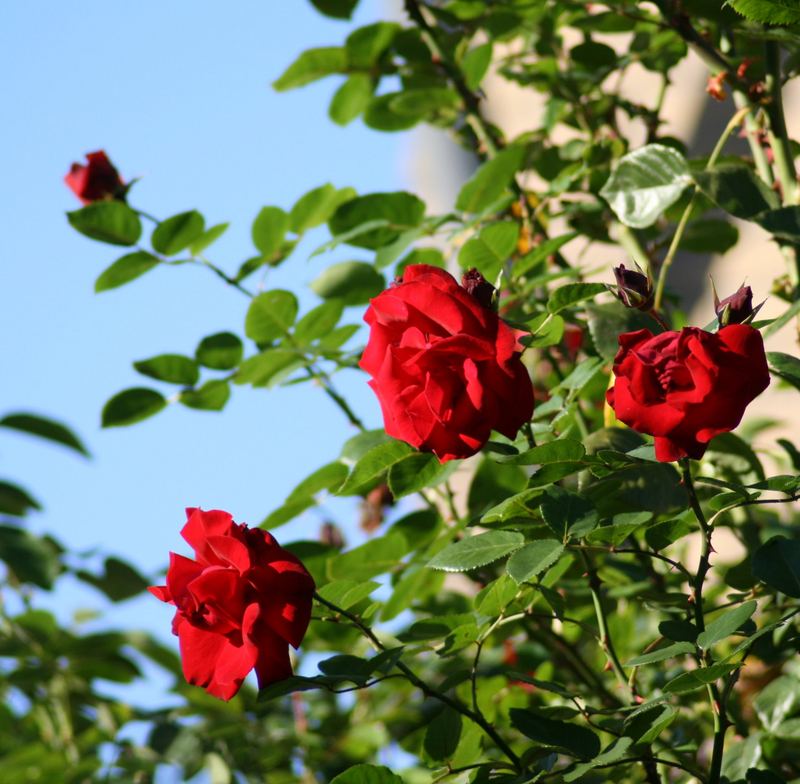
(634, 288)
(480, 288)
(95, 181)
(737, 308)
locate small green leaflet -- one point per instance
(475, 551)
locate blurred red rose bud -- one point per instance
(373, 505)
(95, 181)
(330, 534)
(634, 289)
(737, 308)
(479, 287)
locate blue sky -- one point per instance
(178, 94)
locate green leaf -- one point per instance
(611, 319)
(783, 223)
(568, 513)
(270, 316)
(113, 222)
(490, 180)
(311, 65)
(571, 294)
(351, 99)
(547, 330)
(178, 232)
(711, 235)
(269, 229)
(42, 427)
(491, 483)
(353, 282)
(208, 237)
(533, 559)
(381, 115)
(319, 322)
(785, 366)
(475, 551)
(400, 211)
(777, 563)
(490, 249)
(15, 501)
(612, 753)
(572, 738)
(212, 396)
(622, 526)
(697, 679)
(645, 183)
(475, 64)
(777, 700)
(443, 734)
(338, 9)
(425, 103)
(370, 559)
(317, 206)
(541, 253)
(772, 12)
(725, 624)
(367, 774)
(737, 189)
(220, 351)
(173, 368)
(125, 269)
(132, 405)
(118, 582)
(325, 478)
(373, 465)
(366, 44)
(660, 654)
(267, 368)
(413, 473)
(560, 450)
(32, 559)
(346, 593)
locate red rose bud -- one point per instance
(737, 308)
(446, 370)
(715, 86)
(634, 288)
(480, 288)
(95, 181)
(240, 603)
(686, 387)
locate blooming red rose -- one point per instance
(97, 180)
(446, 369)
(240, 604)
(686, 387)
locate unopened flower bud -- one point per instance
(737, 308)
(479, 287)
(330, 534)
(634, 288)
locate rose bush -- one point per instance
(97, 179)
(240, 604)
(446, 369)
(686, 387)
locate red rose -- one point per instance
(446, 370)
(686, 387)
(240, 604)
(95, 181)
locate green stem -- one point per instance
(606, 643)
(687, 213)
(778, 135)
(427, 690)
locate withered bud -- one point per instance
(371, 512)
(634, 289)
(480, 288)
(330, 534)
(737, 308)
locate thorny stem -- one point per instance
(778, 135)
(718, 711)
(425, 688)
(687, 213)
(606, 643)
